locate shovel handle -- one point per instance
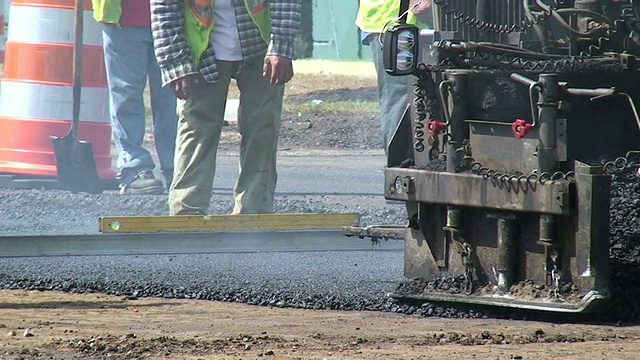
(77, 65)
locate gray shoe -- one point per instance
(143, 184)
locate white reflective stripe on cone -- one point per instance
(50, 25)
(51, 102)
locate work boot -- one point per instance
(143, 184)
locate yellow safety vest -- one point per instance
(199, 23)
(107, 11)
(374, 15)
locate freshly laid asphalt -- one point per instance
(325, 181)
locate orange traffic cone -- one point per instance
(36, 91)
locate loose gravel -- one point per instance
(358, 280)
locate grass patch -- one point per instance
(307, 83)
(304, 84)
(343, 107)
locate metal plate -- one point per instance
(489, 141)
(588, 302)
(186, 243)
(375, 232)
(435, 187)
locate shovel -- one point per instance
(74, 158)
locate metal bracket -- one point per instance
(561, 140)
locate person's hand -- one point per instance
(418, 6)
(186, 86)
(277, 69)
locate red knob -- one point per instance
(520, 128)
(435, 127)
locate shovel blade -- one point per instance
(77, 169)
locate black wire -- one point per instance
(469, 20)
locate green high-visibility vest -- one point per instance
(374, 15)
(199, 20)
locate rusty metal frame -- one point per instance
(552, 197)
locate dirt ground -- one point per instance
(93, 326)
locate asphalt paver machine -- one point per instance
(520, 111)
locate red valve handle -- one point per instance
(435, 127)
(520, 128)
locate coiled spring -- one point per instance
(472, 21)
(510, 180)
(507, 62)
(622, 162)
(419, 101)
(603, 41)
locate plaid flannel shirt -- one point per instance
(173, 53)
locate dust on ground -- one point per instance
(95, 326)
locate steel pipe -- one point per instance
(507, 252)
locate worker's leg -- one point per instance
(393, 95)
(199, 128)
(126, 53)
(259, 125)
(165, 118)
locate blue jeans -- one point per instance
(393, 93)
(130, 61)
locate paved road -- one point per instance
(317, 172)
(332, 180)
(348, 280)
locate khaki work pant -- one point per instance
(199, 130)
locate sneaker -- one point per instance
(143, 184)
